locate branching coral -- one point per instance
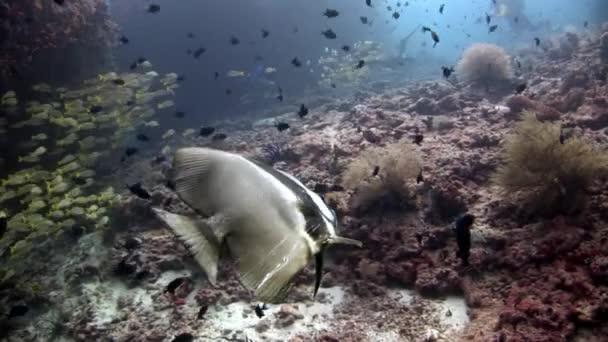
(484, 64)
(381, 177)
(552, 175)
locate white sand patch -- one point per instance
(316, 316)
(451, 310)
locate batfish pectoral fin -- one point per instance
(199, 237)
(339, 240)
(268, 260)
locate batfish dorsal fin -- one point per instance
(339, 240)
(197, 236)
(193, 172)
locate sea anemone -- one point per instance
(484, 64)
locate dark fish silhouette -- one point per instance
(216, 75)
(282, 126)
(537, 41)
(418, 137)
(363, 20)
(520, 88)
(18, 311)
(441, 8)
(303, 111)
(206, 131)
(95, 109)
(376, 171)
(137, 190)
(131, 151)
(124, 40)
(234, 40)
(360, 64)
(296, 62)
(180, 115)
(463, 237)
(345, 48)
(259, 310)
(174, 284)
(153, 8)
(492, 28)
(329, 34)
(265, 33)
(119, 81)
(198, 52)
(396, 15)
(142, 137)
(447, 72)
(331, 13)
(368, 3)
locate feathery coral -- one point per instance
(483, 64)
(396, 164)
(553, 175)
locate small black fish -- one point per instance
(130, 103)
(426, 29)
(329, 34)
(119, 81)
(586, 24)
(396, 15)
(206, 131)
(79, 181)
(282, 126)
(133, 66)
(360, 64)
(518, 64)
(202, 311)
(153, 8)
(419, 178)
(95, 109)
(184, 337)
(259, 310)
(234, 40)
(441, 8)
(141, 60)
(418, 138)
(219, 137)
(137, 190)
(180, 115)
(124, 40)
(376, 171)
(181, 78)
(296, 62)
(537, 41)
(345, 48)
(463, 237)
(363, 20)
(331, 13)
(280, 97)
(389, 8)
(447, 72)
(198, 52)
(368, 3)
(488, 19)
(520, 88)
(333, 85)
(492, 28)
(516, 20)
(142, 137)
(265, 33)
(18, 311)
(131, 151)
(228, 92)
(190, 35)
(303, 111)
(174, 284)
(59, 2)
(216, 75)
(435, 37)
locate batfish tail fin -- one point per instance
(198, 236)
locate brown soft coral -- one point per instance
(552, 173)
(484, 64)
(380, 176)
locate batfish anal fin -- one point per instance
(339, 240)
(198, 236)
(318, 270)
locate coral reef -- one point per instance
(484, 64)
(74, 37)
(604, 47)
(381, 177)
(553, 173)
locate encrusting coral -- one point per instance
(381, 177)
(484, 64)
(551, 171)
